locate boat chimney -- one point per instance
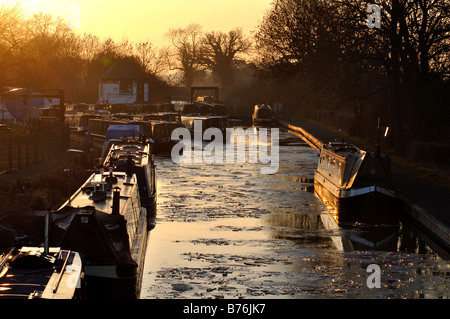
(111, 179)
(116, 201)
(129, 165)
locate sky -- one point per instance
(150, 20)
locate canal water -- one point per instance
(228, 231)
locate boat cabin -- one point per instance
(262, 115)
(34, 273)
(136, 158)
(105, 222)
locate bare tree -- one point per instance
(149, 58)
(220, 50)
(328, 41)
(412, 45)
(90, 46)
(184, 51)
(42, 52)
(13, 37)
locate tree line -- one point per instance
(319, 58)
(337, 60)
(42, 52)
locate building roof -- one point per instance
(125, 70)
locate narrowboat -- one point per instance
(38, 273)
(136, 157)
(197, 125)
(358, 184)
(105, 222)
(211, 108)
(161, 126)
(78, 121)
(160, 116)
(99, 127)
(123, 130)
(262, 115)
(161, 136)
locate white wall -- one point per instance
(110, 92)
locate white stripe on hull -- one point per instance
(352, 192)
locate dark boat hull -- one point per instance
(371, 207)
(108, 288)
(163, 147)
(262, 122)
(126, 286)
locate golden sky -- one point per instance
(149, 20)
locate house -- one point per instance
(124, 83)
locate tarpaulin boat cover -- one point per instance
(119, 131)
(99, 237)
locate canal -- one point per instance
(227, 231)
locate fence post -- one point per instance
(27, 150)
(18, 151)
(35, 149)
(9, 153)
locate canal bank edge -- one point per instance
(426, 220)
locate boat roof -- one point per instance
(120, 130)
(120, 150)
(159, 113)
(161, 122)
(203, 117)
(343, 149)
(30, 273)
(86, 194)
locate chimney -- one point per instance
(129, 165)
(116, 201)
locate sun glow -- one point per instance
(138, 20)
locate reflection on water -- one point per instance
(227, 231)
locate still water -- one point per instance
(228, 231)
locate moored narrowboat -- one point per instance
(161, 137)
(262, 115)
(104, 221)
(197, 125)
(358, 184)
(135, 157)
(38, 273)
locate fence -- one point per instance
(24, 151)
